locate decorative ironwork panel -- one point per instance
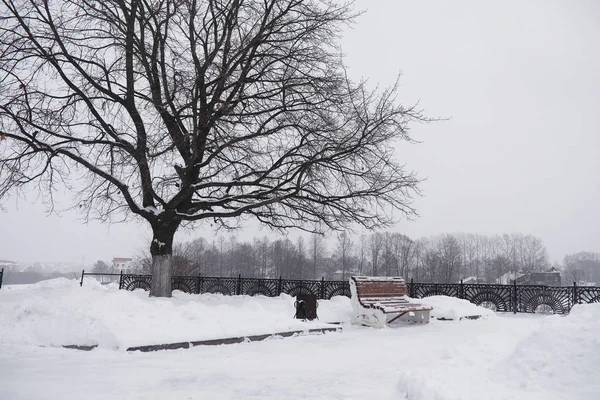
(421, 290)
(335, 288)
(499, 295)
(587, 294)
(558, 299)
(295, 287)
(226, 286)
(255, 286)
(187, 284)
(132, 282)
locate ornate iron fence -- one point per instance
(506, 298)
(515, 298)
(247, 286)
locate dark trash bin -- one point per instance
(306, 306)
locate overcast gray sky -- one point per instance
(521, 152)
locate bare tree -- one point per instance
(404, 249)
(583, 267)
(375, 244)
(317, 250)
(343, 250)
(183, 111)
(361, 252)
(262, 251)
(101, 267)
(300, 269)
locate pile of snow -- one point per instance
(560, 356)
(58, 312)
(451, 308)
(557, 360)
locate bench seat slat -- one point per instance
(389, 294)
(394, 299)
(399, 307)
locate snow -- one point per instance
(58, 312)
(153, 210)
(501, 357)
(451, 308)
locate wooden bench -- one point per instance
(378, 301)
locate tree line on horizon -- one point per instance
(445, 258)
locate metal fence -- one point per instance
(247, 286)
(515, 298)
(1, 277)
(507, 298)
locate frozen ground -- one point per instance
(505, 357)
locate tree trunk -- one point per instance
(161, 250)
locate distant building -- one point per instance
(548, 278)
(469, 280)
(123, 264)
(509, 277)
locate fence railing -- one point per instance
(120, 275)
(506, 298)
(247, 286)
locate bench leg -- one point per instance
(421, 317)
(375, 319)
(396, 317)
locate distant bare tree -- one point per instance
(405, 251)
(361, 254)
(375, 244)
(183, 111)
(101, 267)
(582, 267)
(301, 261)
(344, 251)
(262, 253)
(317, 250)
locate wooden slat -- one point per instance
(386, 294)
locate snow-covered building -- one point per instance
(548, 278)
(509, 277)
(469, 280)
(123, 264)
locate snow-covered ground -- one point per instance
(498, 357)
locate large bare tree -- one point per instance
(178, 111)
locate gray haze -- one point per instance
(520, 153)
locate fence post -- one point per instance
(411, 289)
(1, 277)
(198, 283)
(279, 286)
(322, 294)
(515, 298)
(575, 296)
(121, 280)
(461, 290)
(239, 285)
(82, 274)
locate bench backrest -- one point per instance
(375, 286)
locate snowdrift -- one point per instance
(58, 312)
(451, 308)
(560, 356)
(557, 361)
